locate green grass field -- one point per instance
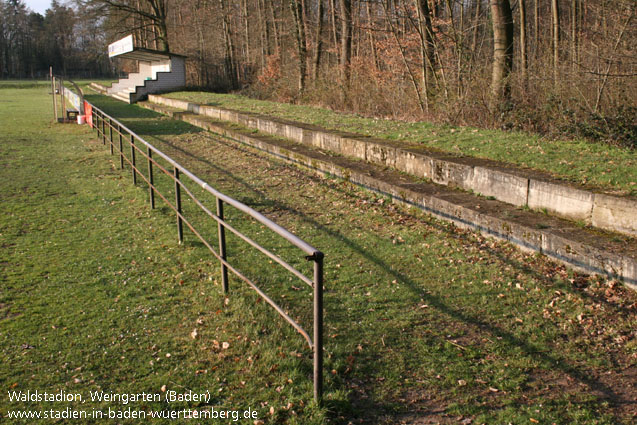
(423, 321)
(594, 165)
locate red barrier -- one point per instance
(88, 113)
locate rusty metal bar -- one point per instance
(110, 126)
(228, 265)
(281, 231)
(316, 344)
(222, 245)
(133, 163)
(318, 324)
(121, 149)
(103, 129)
(55, 104)
(149, 155)
(62, 99)
(180, 226)
(240, 275)
(272, 303)
(245, 238)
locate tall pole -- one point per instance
(55, 102)
(318, 326)
(55, 106)
(222, 246)
(62, 99)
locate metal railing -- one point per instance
(116, 135)
(58, 88)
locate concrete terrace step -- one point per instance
(587, 250)
(123, 96)
(98, 88)
(506, 183)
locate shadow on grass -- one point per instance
(118, 109)
(545, 360)
(142, 121)
(370, 407)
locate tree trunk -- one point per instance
(246, 29)
(426, 47)
(316, 60)
(523, 53)
(474, 37)
(265, 33)
(346, 39)
(159, 12)
(502, 51)
(275, 27)
(372, 40)
(306, 31)
(536, 22)
(299, 32)
(334, 32)
(555, 14)
(574, 58)
(426, 34)
(229, 48)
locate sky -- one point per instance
(39, 6)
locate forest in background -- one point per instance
(556, 67)
(73, 43)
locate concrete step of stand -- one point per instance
(584, 249)
(124, 97)
(505, 182)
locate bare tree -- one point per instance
(523, 53)
(502, 51)
(346, 39)
(555, 17)
(153, 11)
(301, 43)
(316, 59)
(426, 44)
(228, 44)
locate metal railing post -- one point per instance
(316, 342)
(318, 326)
(55, 103)
(180, 226)
(222, 246)
(62, 100)
(121, 148)
(151, 181)
(103, 130)
(133, 162)
(110, 127)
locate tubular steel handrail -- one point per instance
(103, 123)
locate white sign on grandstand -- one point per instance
(122, 46)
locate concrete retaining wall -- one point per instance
(559, 241)
(483, 177)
